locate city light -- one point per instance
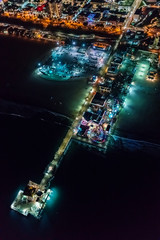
(110, 62)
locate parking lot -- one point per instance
(72, 61)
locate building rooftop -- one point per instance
(32, 200)
(99, 99)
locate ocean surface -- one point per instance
(95, 197)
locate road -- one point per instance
(130, 15)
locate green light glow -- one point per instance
(53, 197)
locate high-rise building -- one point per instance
(55, 8)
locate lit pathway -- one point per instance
(48, 175)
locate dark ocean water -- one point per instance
(115, 196)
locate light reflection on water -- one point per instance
(53, 197)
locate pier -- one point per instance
(34, 197)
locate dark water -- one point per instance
(95, 197)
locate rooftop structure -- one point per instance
(99, 99)
(101, 46)
(32, 200)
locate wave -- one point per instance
(26, 111)
(134, 144)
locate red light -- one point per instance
(40, 8)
